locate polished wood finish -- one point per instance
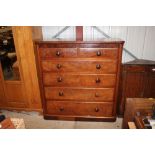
(104, 53)
(81, 66)
(85, 94)
(134, 105)
(79, 79)
(79, 108)
(58, 52)
(137, 80)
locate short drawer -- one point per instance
(104, 53)
(80, 66)
(79, 80)
(79, 108)
(58, 52)
(79, 94)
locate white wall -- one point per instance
(139, 40)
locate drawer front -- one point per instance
(80, 66)
(104, 53)
(79, 80)
(58, 52)
(79, 108)
(98, 94)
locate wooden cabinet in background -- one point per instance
(22, 94)
(79, 79)
(137, 81)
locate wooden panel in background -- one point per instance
(14, 92)
(79, 33)
(1, 94)
(37, 32)
(25, 48)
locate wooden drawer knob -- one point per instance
(57, 53)
(96, 95)
(61, 109)
(98, 80)
(59, 66)
(96, 109)
(98, 66)
(61, 93)
(98, 53)
(59, 79)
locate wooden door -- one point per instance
(21, 90)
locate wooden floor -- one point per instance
(35, 121)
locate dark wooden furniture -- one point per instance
(134, 105)
(137, 80)
(79, 79)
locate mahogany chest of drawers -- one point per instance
(79, 79)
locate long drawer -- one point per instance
(79, 80)
(79, 108)
(78, 94)
(83, 66)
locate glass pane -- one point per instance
(8, 55)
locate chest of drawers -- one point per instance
(79, 79)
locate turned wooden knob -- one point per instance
(98, 66)
(96, 95)
(61, 109)
(57, 53)
(61, 93)
(59, 79)
(98, 80)
(96, 109)
(98, 53)
(59, 66)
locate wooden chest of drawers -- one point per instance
(79, 79)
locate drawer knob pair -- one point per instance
(98, 53)
(57, 53)
(59, 79)
(98, 66)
